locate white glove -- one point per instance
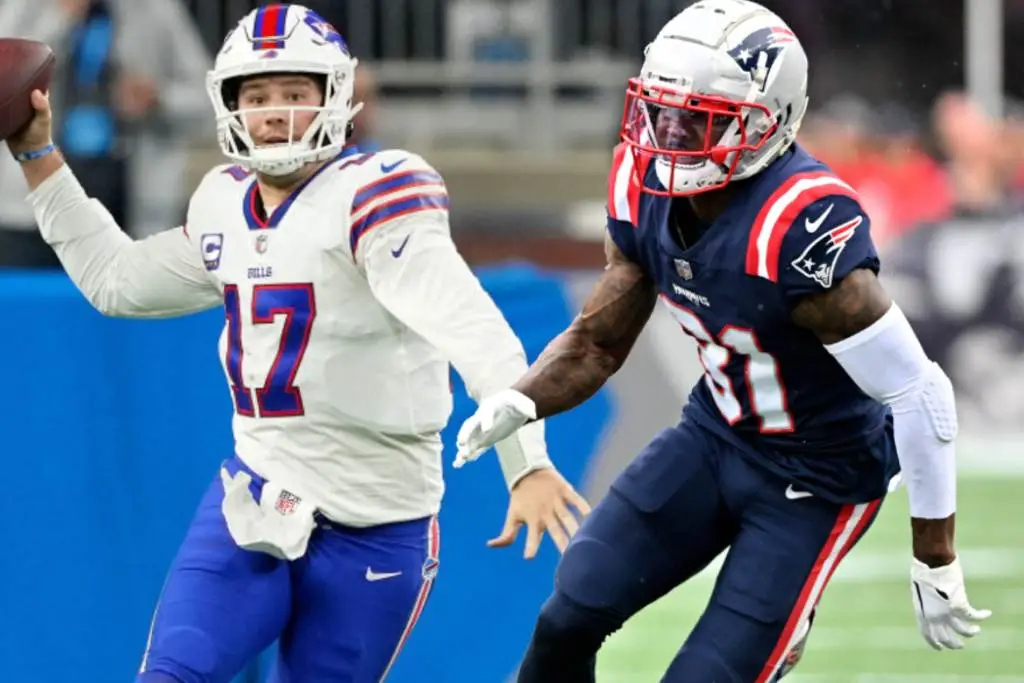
(940, 602)
(496, 418)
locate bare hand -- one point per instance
(541, 500)
(38, 132)
(136, 95)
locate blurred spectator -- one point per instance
(1012, 146)
(838, 133)
(365, 86)
(877, 150)
(365, 92)
(127, 93)
(974, 156)
(908, 185)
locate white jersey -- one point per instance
(342, 313)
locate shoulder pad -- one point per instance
(779, 213)
(624, 185)
(388, 162)
(393, 184)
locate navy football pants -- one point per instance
(684, 500)
(341, 613)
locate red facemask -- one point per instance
(684, 130)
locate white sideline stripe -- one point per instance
(867, 639)
(980, 564)
(997, 454)
(907, 639)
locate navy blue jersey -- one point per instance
(769, 387)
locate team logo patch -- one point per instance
(286, 502)
(430, 568)
(683, 269)
(757, 53)
(327, 34)
(819, 259)
(212, 245)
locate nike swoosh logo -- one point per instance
(812, 226)
(388, 168)
(375, 576)
(793, 494)
(398, 252)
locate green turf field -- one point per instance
(865, 631)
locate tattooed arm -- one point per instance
(855, 304)
(858, 309)
(580, 360)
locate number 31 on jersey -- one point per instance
(761, 373)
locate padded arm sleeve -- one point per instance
(887, 362)
(160, 276)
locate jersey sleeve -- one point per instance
(809, 235)
(624, 237)
(400, 185)
(160, 276)
(623, 203)
(416, 273)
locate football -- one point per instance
(25, 65)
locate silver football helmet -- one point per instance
(721, 94)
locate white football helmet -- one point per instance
(284, 39)
(721, 94)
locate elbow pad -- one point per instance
(887, 362)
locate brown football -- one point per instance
(25, 65)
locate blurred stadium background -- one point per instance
(112, 428)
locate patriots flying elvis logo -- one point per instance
(819, 259)
(769, 42)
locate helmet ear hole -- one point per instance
(229, 92)
(321, 82)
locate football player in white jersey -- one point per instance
(345, 302)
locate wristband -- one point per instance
(34, 154)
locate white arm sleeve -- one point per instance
(887, 362)
(430, 288)
(160, 276)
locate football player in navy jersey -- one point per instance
(816, 391)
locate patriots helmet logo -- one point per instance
(769, 42)
(818, 261)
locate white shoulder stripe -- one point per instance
(766, 230)
(623, 178)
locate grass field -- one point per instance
(865, 631)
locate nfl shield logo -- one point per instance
(261, 243)
(286, 503)
(684, 269)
